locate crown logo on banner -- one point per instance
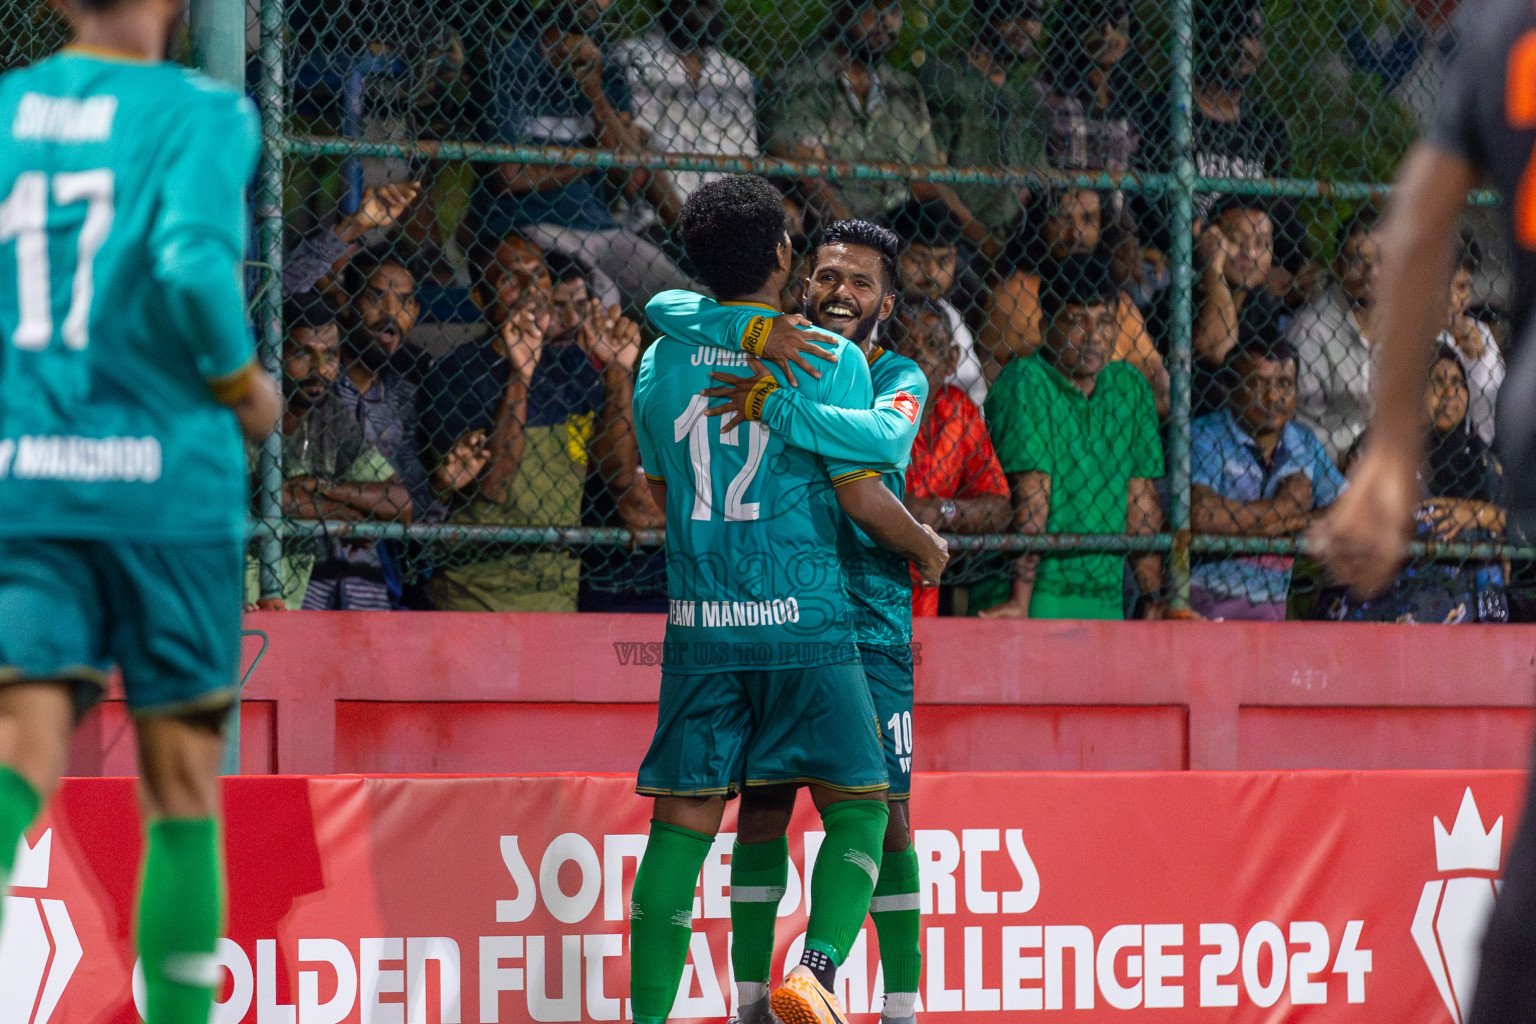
(1454, 911)
(1467, 847)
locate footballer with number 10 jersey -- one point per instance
(758, 613)
(877, 439)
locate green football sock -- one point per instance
(19, 804)
(181, 914)
(661, 917)
(844, 877)
(759, 873)
(895, 910)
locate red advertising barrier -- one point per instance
(1311, 896)
(480, 693)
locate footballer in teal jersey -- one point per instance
(761, 684)
(126, 380)
(852, 288)
(877, 438)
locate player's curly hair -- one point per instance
(732, 229)
(870, 236)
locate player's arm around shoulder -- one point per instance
(783, 339)
(690, 318)
(878, 438)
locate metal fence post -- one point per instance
(1182, 261)
(269, 309)
(218, 49)
(218, 39)
(269, 312)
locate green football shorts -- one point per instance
(888, 671)
(168, 615)
(718, 731)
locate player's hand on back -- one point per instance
(1363, 538)
(735, 389)
(931, 568)
(788, 343)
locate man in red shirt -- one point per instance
(954, 481)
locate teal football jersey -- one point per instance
(877, 438)
(753, 573)
(118, 179)
(879, 580)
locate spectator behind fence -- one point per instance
(614, 494)
(1461, 483)
(1256, 473)
(1066, 224)
(1234, 256)
(1077, 436)
(1237, 132)
(325, 252)
(689, 95)
(985, 113)
(381, 370)
(510, 426)
(930, 262)
(847, 101)
(329, 472)
(1331, 335)
(1474, 343)
(954, 481)
(554, 86)
(1088, 92)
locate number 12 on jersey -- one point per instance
(695, 427)
(24, 219)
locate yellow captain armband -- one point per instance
(755, 338)
(659, 481)
(232, 387)
(848, 478)
(758, 396)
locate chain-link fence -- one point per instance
(1137, 243)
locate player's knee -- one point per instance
(35, 725)
(765, 814)
(898, 828)
(179, 766)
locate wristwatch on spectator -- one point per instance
(947, 511)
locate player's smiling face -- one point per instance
(847, 294)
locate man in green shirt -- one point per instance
(986, 106)
(847, 101)
(1077, 436)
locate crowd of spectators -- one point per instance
(461, 338)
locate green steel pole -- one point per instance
(269, 310)
(1182, 259)
(218, 39)
(218, 49)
